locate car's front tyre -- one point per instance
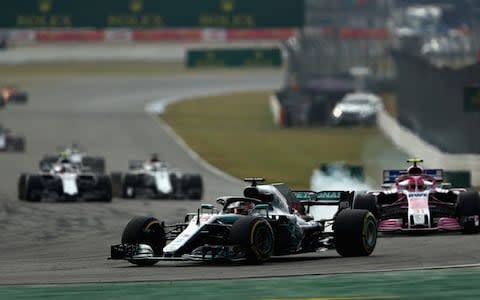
(255, 236)
(148, 231)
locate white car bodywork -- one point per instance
(160, 172)
(68, 173)
(356, 108)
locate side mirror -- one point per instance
(446, 185)
(189, 217)
(386, 186)
(261, 209)
(221, 201)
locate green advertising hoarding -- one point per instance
(151, 13)
(234, 58)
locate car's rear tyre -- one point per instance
(145, 230)
(192, 186)
(355, 232)
(22, 187)
(104, 186)
(468, 206)
(255, 236)
(100, 165)
(19, 145)
(368, 202)
(34, 187)
(95, 164)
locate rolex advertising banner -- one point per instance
(152, 13)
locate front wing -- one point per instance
(206, 253)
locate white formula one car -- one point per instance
(156, 179)
(64, 181)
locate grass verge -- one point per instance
(235, 133)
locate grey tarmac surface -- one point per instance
(69, 52)
(48, 242)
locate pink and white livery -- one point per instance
(419, 200)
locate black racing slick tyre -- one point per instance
(95, 164)
(192, 186)
(368, 202)
(34, 186)
(104, 187)
(468, 208)
(145, 230)
(101, 165)
(22, 187)
(20, 145)
(255, 236)
(355, 232)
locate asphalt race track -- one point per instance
(69, 242)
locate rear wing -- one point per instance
(389, 176)
(323, 197)
(135, 164)
(324, 205)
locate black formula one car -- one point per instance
(156, 179)
(250, 228)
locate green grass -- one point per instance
(236, 133)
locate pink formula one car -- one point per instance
(419, 200)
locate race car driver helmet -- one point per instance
(59, 168)
(415, 170)
(154, 158)
(64, 157)
(65, 161)
(242, 207)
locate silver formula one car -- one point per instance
(254, 227)
(64, 180)
(156, 179)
